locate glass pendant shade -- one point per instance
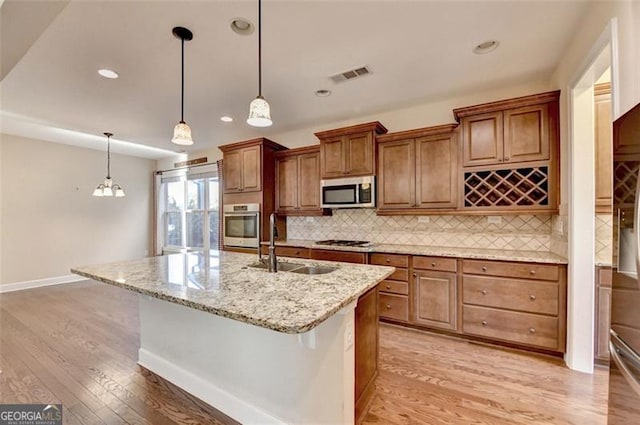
(119, 191)
(182, 134)
(259, 113)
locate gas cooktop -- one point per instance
(341, 242)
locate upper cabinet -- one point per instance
(244, 162)
(298, 182)
(349, 151)
(512, 131)
(417, 170)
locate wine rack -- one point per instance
(514, 187)
(625, 178)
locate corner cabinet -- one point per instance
(510, 155)
(298, 182)
(349, 151)
(417, 170)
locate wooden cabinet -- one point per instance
(366, 351)
(393, 292)
(349, 151)
(604, 147)
(506, 132)
(603, 314)
(288, 251)
(435, 292)
(417, 170)
(243, 170)
(298, 182)
(521, 303)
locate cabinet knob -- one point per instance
(297, 252)
(506, 158)
(415, 275)
(532, 297)
(532, 272)
(483, 323)
(433, 264)
(388, 260)
(484, 269)
(388, 286)
(388, 306)
(483, 292)
(532, 330)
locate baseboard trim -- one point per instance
(206, 391)
(38, 283)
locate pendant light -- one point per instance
(259, 110)
(182, 132)
(108, 188)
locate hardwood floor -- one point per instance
(76, 344)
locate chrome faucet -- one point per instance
(273, 232)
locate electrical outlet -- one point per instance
(494, 219)
(424, 219)
(309, 219)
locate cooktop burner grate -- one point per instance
(341, 242)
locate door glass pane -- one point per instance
(173, 229)
(214, 231)
(214, 200)
(175, 196)
(195, 236)
(195, 194)
(241, 226)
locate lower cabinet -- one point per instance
(435, 299)
(603, 314)
(393, 292)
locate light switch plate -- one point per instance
(424, 219)
(494, 219)
(309, 219)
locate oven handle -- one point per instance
(619, 353)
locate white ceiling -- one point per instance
(417, 51)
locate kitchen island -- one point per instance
(264, 348)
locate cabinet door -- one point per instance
(396, 177)
(332, 157)
(435, 299)
(526, 134)
(287, 184)
(482, 139)
(232, 172)
(436, 171)
(309, 181)
(251, 169)
(604, 158)
(359, 154)
(603, 323)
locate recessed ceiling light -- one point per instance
(226, 118)
(323, 93)
(241, 26)
(108, 73)
(486, 47)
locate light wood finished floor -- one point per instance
(77, 344)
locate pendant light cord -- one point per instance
(108, 157)
(182, 91)
(259, 48)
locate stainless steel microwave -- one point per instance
(242, 225)
(351, 192)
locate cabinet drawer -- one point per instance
(435, 263)
(394, 287)
(527, 295)
(521, 270)
(393, 306)
(394, 260)
(291, 251)
(512, 326)
(344, 256)
(400, 274)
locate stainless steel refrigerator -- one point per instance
(624, 345)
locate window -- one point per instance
(188, 211)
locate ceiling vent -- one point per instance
(350, 74)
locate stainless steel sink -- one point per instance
(282, 266)
(314, 270)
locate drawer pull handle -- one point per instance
(532, 272)
(388, 306)
(388, 260)
(433, 264)
(532, 330)
(388, 286)
(484, 269)
(483, 323)
(532, 297)
(483, 292)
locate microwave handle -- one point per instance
(358, 193)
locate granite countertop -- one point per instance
(441, 251)
(221, 283)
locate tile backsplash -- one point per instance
(513, 232)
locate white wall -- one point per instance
(50, 221)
